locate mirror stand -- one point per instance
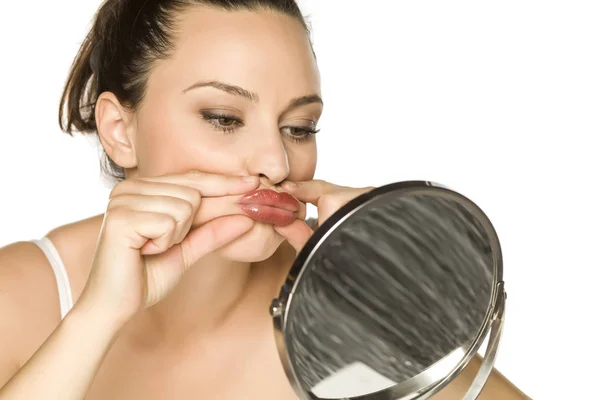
(489, 358)
(491, 350)
(485, 369)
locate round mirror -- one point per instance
(392, 297)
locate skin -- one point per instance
(204, 335)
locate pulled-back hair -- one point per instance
(126, 38)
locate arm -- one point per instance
(65, 365)
(71, 351)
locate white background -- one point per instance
(499, 100)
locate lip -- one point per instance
(268, 206)
(270, 198)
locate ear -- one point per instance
(115, 129)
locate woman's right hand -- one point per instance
(149, 239)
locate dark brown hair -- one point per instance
(126, 38)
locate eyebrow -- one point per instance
(253, 97)
(225, 87)
(302, 101)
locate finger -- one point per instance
(215, 207)
(212, 236)
(137, 228)
(309, 191)
(182, 211)
(148, 189)
(211, 184)
(297, 233)
(330, 204)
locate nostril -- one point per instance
(268, 182)
(265, 182)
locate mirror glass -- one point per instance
(402, 283)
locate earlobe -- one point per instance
(113, 122)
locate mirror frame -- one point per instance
(438, 375)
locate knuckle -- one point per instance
(186, 209)
(190, 195)
(116, 218)
(116, 190)
(195, 198)
(116, 201)
(120, 188)
(169, 222)
(113, 203)
(167, 225)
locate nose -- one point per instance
(269, 160)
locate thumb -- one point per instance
(212, 236)
(163, 271)
(297, 233)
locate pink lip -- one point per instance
(268, 206)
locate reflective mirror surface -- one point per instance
(400, 285)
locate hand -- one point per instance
(326, 196)
(151, 235)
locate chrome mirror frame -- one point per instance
(438, 375)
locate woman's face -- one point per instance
(239, 96)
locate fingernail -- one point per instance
(252, 179)
(289, 185)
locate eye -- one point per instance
(223, 122)
(299, 133)
(226, 121)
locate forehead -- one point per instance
(263, 51)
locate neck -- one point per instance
(203, 301)
(216, 294)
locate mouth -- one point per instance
(268, 206)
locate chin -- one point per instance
(257, 245)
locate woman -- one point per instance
(207, 112)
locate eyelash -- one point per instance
(213, 119)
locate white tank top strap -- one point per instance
(60, 273)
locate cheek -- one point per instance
(169, 143)
(303, 162)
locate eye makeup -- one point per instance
(228, 123)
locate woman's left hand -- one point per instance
(326, 196)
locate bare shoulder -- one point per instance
(76, 245)
(28, 299)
